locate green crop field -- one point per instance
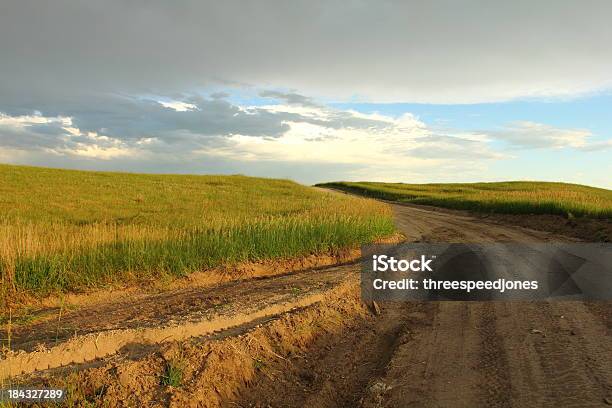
(514, 197)
(64, 230)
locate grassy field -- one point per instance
(63, 230)
(514, 197)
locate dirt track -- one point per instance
(437, 354)
(468, 354)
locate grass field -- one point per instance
(514, 197)
(63, 230)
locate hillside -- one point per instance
(64, 230)
(514, 197)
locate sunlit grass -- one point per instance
(64, 230)
(516, 197)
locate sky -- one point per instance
(437, 91)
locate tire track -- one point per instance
(244, 302)
(493, 364)
(523, 354)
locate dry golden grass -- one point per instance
(70, 230)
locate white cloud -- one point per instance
(394, 148)
(56, 136)
(379, 146)
(597, 146)
(293, 134)
(95, 151)
(22, 121)
(178, 105)
(531, 135)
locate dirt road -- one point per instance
(325, 352)
(462, 354)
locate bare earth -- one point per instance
(465, 354)
(436, 354)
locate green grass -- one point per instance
(514, 197)
(173, 375)
(63, 230)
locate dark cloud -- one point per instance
(130, 120)
(441, 51)
(35, 137)
(343, 119)
(219, 95)
(290, 98)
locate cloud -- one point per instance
(597, 146)
(195, 119)
(440, 51)
(291, 98)
(211, 133)
(131, 118)
(219, 95)
(178, 105)
(531, 135)
(32, 132)
(377, 147)
(57, 137)
(460, 147)
(217, 130)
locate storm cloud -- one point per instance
(435, 51)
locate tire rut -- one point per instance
(493, 364)
(243, 302)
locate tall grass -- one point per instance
(515, 197)
(63, 230)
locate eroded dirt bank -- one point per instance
(337, 352)
(178, 315)
(213, 369)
